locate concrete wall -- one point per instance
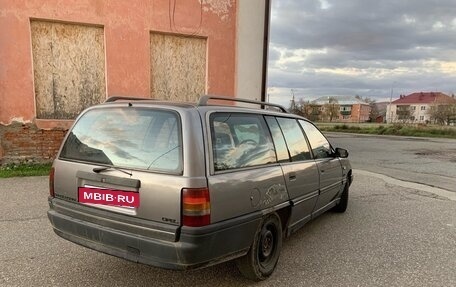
(127, 28)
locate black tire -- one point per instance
(260, 262)
(343, 203)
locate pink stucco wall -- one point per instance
(127, 26)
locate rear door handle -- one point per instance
(292, 176)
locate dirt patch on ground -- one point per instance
(444, 155)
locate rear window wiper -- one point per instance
(103, 168)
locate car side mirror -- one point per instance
(341, 152)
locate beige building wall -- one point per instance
(250, 47)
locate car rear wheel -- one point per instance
(262, 258)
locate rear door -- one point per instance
(244, 174)
(329, 166)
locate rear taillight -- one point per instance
(196, 207)
(51, 182)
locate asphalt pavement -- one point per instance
(391, 235)
(429, 161)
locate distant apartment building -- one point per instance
(416, 107)
(350, 109)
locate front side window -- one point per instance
(127, 137)
(240, 140)
(320, 145)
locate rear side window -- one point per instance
(279, 141)
(296, 142)
(127, 137)
(320, 145)
(240, 140)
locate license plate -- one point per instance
(108, 197)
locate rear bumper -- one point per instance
(195, 247)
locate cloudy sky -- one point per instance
(361, 47)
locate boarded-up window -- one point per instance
(69, 68)
(178, 67)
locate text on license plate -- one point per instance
(108, 197)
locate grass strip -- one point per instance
(394, 129)
(18, 170)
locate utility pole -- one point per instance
(391, 100)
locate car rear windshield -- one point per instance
(136, 138)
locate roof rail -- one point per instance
(204, 99)
(117, 98)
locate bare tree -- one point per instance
(306, 109)
(442, 112)
(294, 107)
(373, 113)
(331, 109)
(309, 110)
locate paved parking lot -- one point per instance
(389, 236)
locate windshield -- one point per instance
(127, 137)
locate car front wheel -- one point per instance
(343, 203)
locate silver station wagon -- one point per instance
(181, 186)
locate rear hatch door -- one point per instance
(124, 160)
